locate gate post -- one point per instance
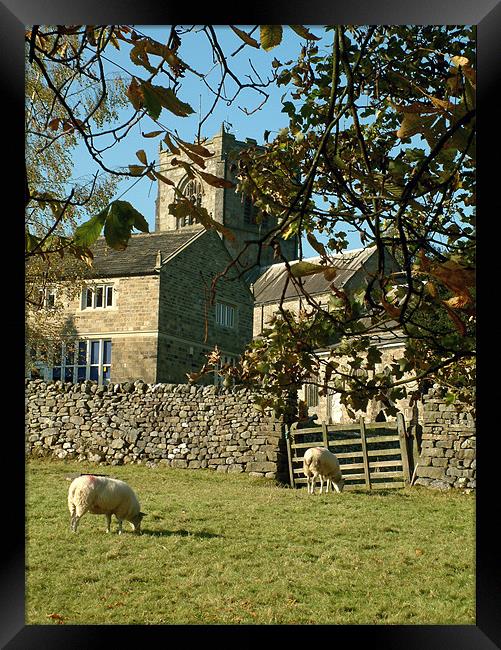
(287, 432)
(365, 455)
(404, 447)
(324, 435)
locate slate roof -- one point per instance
(140, 256)
(269, 286)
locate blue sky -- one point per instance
(195, 51)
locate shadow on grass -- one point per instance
(380, 492)
(180, 533)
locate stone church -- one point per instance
(228, 207)
(149, 313)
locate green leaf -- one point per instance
(151, 101)
(121, 217)
(87, 233)
(316, 245)
(164, 98)
(271, 36)
(301, 269)
(118, 219)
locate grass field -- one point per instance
(229, 549)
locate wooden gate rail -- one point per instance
(378, 464)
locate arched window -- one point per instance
(192, 191)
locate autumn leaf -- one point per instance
(199, 149)
(137, 170)
(270, 36)
(330, 274)
(135, 94)
(183, 207)
(215, 181)
(458, 323)
(56, 617)
(198, 160)
(245, 37)
(171, 145)
(431, 289)
(163, 178)
(390, 309)
(459, 61)
(141, 155)
(459, 302)
(304, 33)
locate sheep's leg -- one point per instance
(327, 488)
(108, 523)
(76, 514)
(119, 526)
(73, 516)
(74, 521)
(321, 483)
(337, 488)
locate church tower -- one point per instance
(227, 206)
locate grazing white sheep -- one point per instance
(101, 495)
(322, 463)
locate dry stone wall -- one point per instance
(448, 445)
(176, 425)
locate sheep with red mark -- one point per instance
(319, 462)
(102, 495)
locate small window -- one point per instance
(47, 298)
(98, 297)
(109, 296)
(225, 315)
(249, 211)
(311, 393)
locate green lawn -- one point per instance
(233, 549)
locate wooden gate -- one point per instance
(371, 455)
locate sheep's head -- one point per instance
(341, 484)
(136, 522)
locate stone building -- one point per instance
(354, 268)
(226, 206)
(146, 313)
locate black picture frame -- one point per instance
(14, 16)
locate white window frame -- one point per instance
(100, 365)
(93, 291)
(48, 297)
(226, 315)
